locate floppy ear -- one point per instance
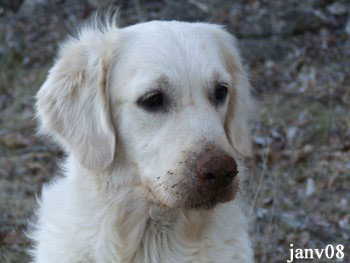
(241, 105)
(73, 103)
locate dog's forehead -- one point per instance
(178, 51)
(171, 31)
(173, 42)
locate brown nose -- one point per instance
(218, 170)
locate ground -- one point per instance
(298, 56)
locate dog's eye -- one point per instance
(152, 101)
(220, 93)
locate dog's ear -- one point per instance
(241, 105)
(73, 103)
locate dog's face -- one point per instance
(172, 96)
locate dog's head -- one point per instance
(170, 99)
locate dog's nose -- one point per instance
(217, 170)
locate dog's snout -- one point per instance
(218, 170)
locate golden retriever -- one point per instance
(153, 118)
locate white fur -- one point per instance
(114, 202)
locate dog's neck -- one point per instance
(165, 236)
(149, 233)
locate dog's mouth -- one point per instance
(195, 197)
(209, 199)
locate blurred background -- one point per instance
(298, 56)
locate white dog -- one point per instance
(153, 118)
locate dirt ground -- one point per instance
(298, 56)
